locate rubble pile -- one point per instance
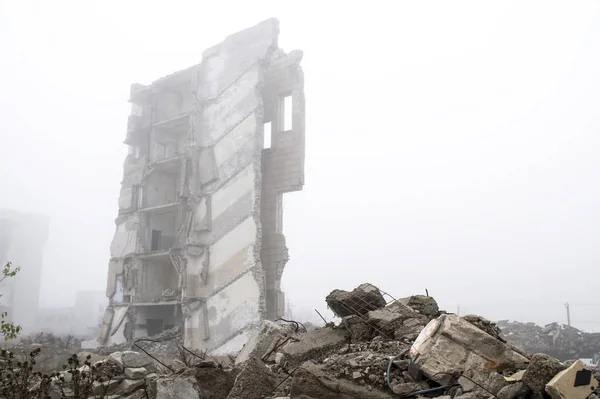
(560, 341)
(381, 348)
(164, 346)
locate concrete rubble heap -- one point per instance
(400, 348)
(212, 150)
(560, 341)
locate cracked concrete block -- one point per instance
(576, 382)
(260, 341)
(135, 373)
(364, 298)
(448, 342)
(475, 377)
(177, 388)
(542, 368)
(255, 381)
(425, 305)
(128, 386)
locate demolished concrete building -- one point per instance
(212, 150)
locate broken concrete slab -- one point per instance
(311, 381)
(128, 386)
(359, 301)
(136, 359)
(359, 329)
(575, 382)
(260, 341)
(255, 381)
(135, 373)
(484, 324)
(542, 368)
(315, 344)
(215, 382)
(425, 305)
(447, 343)
(177, 388)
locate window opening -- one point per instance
(155, 245)
(267, 135)
(154, 326)
(286, 114)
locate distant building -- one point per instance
(82, 320)
(57, 321)
(22, 240)
(89, 308)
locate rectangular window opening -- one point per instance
(286, 113)
(156, 240)
(267, 135)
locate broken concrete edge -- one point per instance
(575, 382)
(450, 347)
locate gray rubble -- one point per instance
(557, 340)
(386, 349)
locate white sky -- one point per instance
(450, 145)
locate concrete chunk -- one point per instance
(135, 373)
(179, 388)
(128, 386)
(542, 368)
(449, 345)
(576, 382)
(362, 299)
(259, 341)
(254, 381)
(425, 305)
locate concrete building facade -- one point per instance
(213, 149)
(22, 240)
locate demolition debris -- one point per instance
(560, 341)
(381, 348)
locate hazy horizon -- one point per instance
(449, 146)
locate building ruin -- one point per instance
(212, 150)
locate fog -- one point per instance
(451, 146)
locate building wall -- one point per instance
(229, 251)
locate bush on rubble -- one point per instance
(79, 379)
